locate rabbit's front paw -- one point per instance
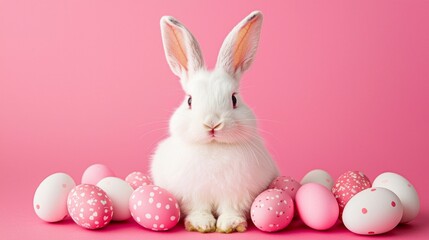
(227, 223)
(200, 222)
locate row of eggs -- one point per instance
(102, 197)
(364, 208)
(317, 200)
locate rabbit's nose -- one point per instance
(211, 126)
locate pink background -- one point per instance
(338, 85)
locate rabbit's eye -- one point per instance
(234, 101)
(190, 102)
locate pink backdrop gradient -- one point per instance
(338, 85)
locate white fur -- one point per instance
(212, 176)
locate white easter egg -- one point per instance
(50, 198)
(318, 176)
(372, 211)
(119, 191)
(404, 190)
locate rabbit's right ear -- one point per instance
(181, 49)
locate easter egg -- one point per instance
(119, 192)
(372, 211)
(94, 173)
(287, 184)
(50, 198)
(404, 190)
(347, 185)
(317, 206)
(137, 179)
(89, 206)
(272, 210)
(154, 208)
(318, 176)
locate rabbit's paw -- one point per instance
(200, 222)
(227, 223)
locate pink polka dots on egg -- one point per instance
(364, 210)
(393, 204)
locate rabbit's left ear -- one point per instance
(239, 47)
(181, 48)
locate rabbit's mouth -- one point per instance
(212, 133)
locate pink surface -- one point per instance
(338, 86)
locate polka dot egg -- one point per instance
(287, 184)
(373, 211)
(154, 208)
(272, 210)
(348, 185)
(89, 206)
(137, 179)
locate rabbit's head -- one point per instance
(212, 110)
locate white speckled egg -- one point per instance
(318, 176)
(119, 192)
(154, 208)
(89, 206)
(50, 198)
(287, 184)
(404, 190)
(272, 210)
(373, 211)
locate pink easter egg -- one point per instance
(94, 173)
(154, 208)
(272, 210)
(287, 184)
(348, 185)
(316, 206)
(137, 179)
(89, 206)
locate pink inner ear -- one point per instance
(242, 44)
(176, 45)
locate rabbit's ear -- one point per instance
(239, 47)
(181, 49)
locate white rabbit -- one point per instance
(214, 161)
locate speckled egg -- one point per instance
(94, 173)
(154, 208)
(372, 211)
(404, 190)
(50, 198)
(137, 179)
(119, 192)
(272, 210)
(318, 176)
(317, 206)
(287, 184)
(89, 206)
(349, 184)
